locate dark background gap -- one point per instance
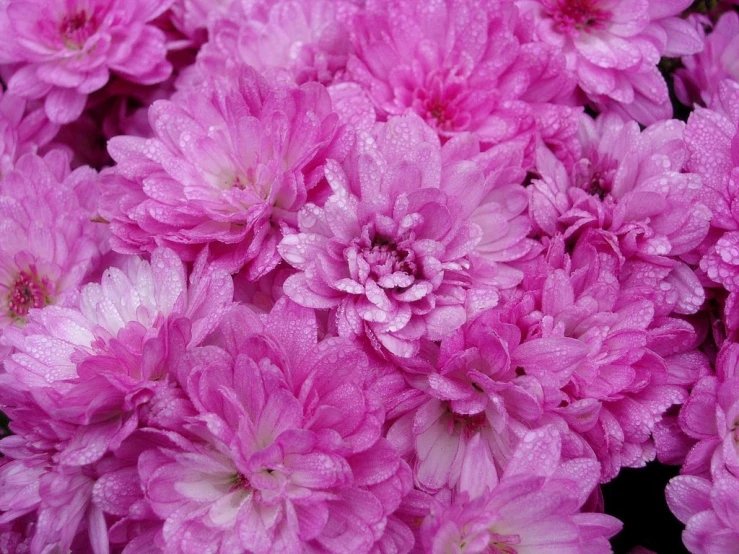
(637, 498)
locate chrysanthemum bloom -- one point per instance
(49, 242)
(66, 49)
(698, 79)
(285, 40)
(533, 507)
(22, 130)
(51, 505)
(711, 416)
(712, 135)
(502, 211)
(614, 46)
(709, 510)
(470, 407)
(44, 504)
(115, 347)
(629, 366)
(393, 249)
(48, 505)
(82, 380)
(458, 64)
(286, 451)
(711, 139)
(634, 185)
(231, 161)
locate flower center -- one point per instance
(502, 544)
(597, 186)
(464, 424)
(440, 100)
(580, 15)
(27, 291)
(596, 177)
(76, 28)
(249, 182)
(240, 482)
(385, 257)
(437, 111)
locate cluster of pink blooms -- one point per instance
(353, 277)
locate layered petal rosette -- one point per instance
(83, 380)
(366, 276)
(712, 136)
(50, 243)
(710, 418)
(534, 506)
(393, 251)
(468, 406)
(286, 450)
(67, 49)
(462, 66)
(619, 366)
(231, 161)
(50, 505)
(115, 345)
(635, 185)
(614, 46)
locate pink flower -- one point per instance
(502, 212)
(286, 451)
(619, 367)
(231, 161)
(712, 136)
(50, 245)
(470, 407)
(50, 506)
(613, 46)
(82, 381)
(35, 488)
(115, 348)
(711, 415)
(709, 511)
(698, 80)
(632, 184)
(392, 250)
(66, 506)
(460, 65)
(22, 130)
(285, 40)
(66, 49)
(533, 507)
